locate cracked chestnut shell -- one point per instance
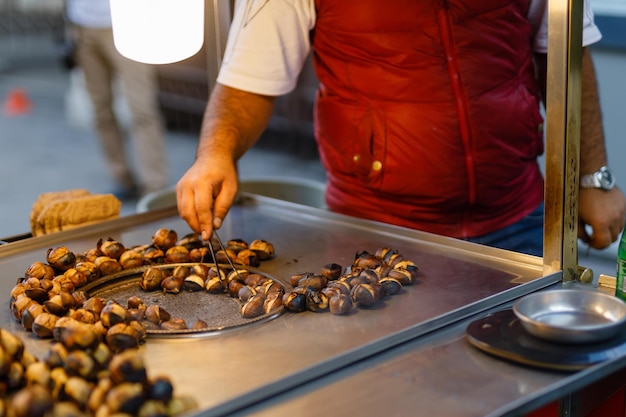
(131, 259)
(332, 271)
(263, 248)
(164, 238)
(151, 279)
(340, 304)
(61, 258)
(39, 270)
(111, 248)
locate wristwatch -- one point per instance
(602, 179)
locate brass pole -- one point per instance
(563, 97)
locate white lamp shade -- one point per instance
(158, 31)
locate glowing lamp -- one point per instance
(158, 31)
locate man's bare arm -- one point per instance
(233, 121)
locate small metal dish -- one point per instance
(571, 316)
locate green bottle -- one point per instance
(620, 289)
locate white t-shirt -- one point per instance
(94, 14)
(269, 41)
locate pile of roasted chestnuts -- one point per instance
(78, 377)
(367, 280)
(51, 290)
(81, 377)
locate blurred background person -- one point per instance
(102, 65)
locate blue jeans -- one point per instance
(525, 236)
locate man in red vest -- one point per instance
(427, 115)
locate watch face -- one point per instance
(607, 181)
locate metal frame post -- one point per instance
(563, 98)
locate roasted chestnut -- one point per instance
(151, 279)
(37, 373)
(161, 389)
(89, 269)
(74, 334)
(135, 302)
(28, 316)
(200, 324)
(316, 300)
(190, 241)
(263, 248)
(193, 282)
(153, 255)
(403, 275)
(314, 282)
(273, 301)
(61, 258)
(234, 286)
(59, 304)
(156, 314)
(248, 257)
(225, 256)
(122, 337)
(339, 304)
(164, 238)
(91, 254)
(236, 245)
(200, 269)
(254, 306)
(172, 284)
(80, 363)
(295, 279)
(366, 294)
(177, 254)
(175, 323)
(294, 301)
(32, 401)
(43, 325)
(111, 248)
(391, 286)
(84, 316)
(245, 293)
(114, 313)
(366, 260)
(125, 398)
(95, 305)
(39, 270)
(201, 254)
(332, 271)
(107, 265)
(131, 259)
(128, 366)
(385, 253)
(215, 285)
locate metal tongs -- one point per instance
(223, 248)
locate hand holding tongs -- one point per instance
(223, 248)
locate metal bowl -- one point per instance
(571, 316)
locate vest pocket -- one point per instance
(346, 139)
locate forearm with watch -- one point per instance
(602, 206)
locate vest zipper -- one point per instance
(461, 105)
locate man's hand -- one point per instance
(604, 212)
(233, 121)
(205, 194)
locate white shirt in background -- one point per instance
(95, 14)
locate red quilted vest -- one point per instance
(427, 115)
